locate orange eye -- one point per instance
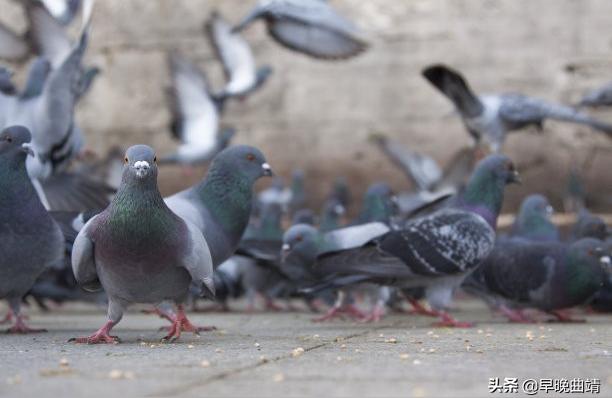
(250, 157)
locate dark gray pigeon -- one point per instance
(549, 276)
(138, 250)
(195, 115)
(533, 221)
(30, 240)
(341, 192)
(311, 27)
(598, 97)
(589, 225)
(435, 252)
(242, 75)
(488, 118)
(6, 82)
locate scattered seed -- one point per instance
(297, 352)
(279, 377)
(218, 350)
(64, 362)
(416, 362)
(392, 340)
(404, 356)
(190, 346)
(205, 363)
(257, 345)
(343, 346)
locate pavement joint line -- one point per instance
(232, 372)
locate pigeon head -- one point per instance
(484, 192)
(140, 165)
(15, 143)
(243, 160)
(534, 220)
(590, 226)
(587, 264)
(304, 216)
(299, 252)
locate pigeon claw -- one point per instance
(418, 309)
(102, 336)
(338, 312)
(564, 317)
(516, 316)
(180, 324)
(20, 327)
(447, 321)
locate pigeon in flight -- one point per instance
(311, 27)
(488, 118)
(242, 75)
(599, 97)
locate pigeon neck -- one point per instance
(484, 195)
(15, 184)
(375, 208)
(227, 195)
(536, 227)
(584, 276)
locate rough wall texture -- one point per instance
(317, 116)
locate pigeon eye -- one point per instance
(298, 239)
(510, 167)
(9, 139)
(125, 160)
(155, 160)
(250, 157)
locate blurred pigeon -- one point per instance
(311, 27)
(30, 240)
(436, 252)
(379, 204)
(533, 221)
(574, 197)
(243, 77)
(139, 235)
(598, 97)
(195, 115)
(341, 192)
(589, 225)
(331, 216)
(63, 11)
(220, 205)
(304, 216)
(549, 276)
(289, 198)
(489, 118)
(6, 82)
(602, 300)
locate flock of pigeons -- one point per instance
(102, 232)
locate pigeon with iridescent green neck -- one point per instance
(436, 252)
(139, 251)
(331, 216)
(589, 225)
(533, 221)
(379, 205)
(30, 240)
(220, 205)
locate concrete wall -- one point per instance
(317, 116)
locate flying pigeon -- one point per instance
(138, 250)
(435, 252)
(489, 118)
(195, 115)
(30, 240)
(311, 27)
(549, 276)
(241, 73)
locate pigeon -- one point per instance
(589, 225)
(243, 77)
(30, 240)
(304, 216)
(195, 116)
(533, 221)
(290, 198)
(63, 11)
(6, 82)
(574, 196)
(341, 192)
(599, 97)
(220, 205)
(379, 204)
(489, 118)
(139, 251)
(549, 276)
(436, 251)
(331, 215)
(310, 27)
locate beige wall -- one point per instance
(317, 116)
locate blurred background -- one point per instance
(317, 116)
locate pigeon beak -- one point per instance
(208, 288)
(286, 249)
(142, 168)
(339, 210)
(605, 261)
(515, 178)
(267, 170)
(27, 148)
(550, 211)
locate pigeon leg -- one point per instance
(19, 327)
(565, 317)
(180, 324)
(334, 312)
(418, 309)
(446, 320)
(376, 314)
(515, 316)
(8, 318)
(270, 305)
(102, 336)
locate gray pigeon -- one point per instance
(331, 215)
(589, 225)
(138, 250)
(533, 221)
(436, 252)
(30, 240)
(243, 77)
(311, 27)
(489, 118)
(549, 276)
(195, 115)
(598, 97)
(63, 10)
(6, 82)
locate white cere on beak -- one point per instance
(142, 168)
(266, 167)
(605, 260)
(286, 247)
(549, 210)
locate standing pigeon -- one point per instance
(379, 204)
(489, 118)
(549, 276)
(30, 240)
(598, 97)
(311, 27)
(195, 115)
(138, 250)
(341, 192)
(243, 77)
(589, 225)
(435, 252)
(331, 216)
(533, 221)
